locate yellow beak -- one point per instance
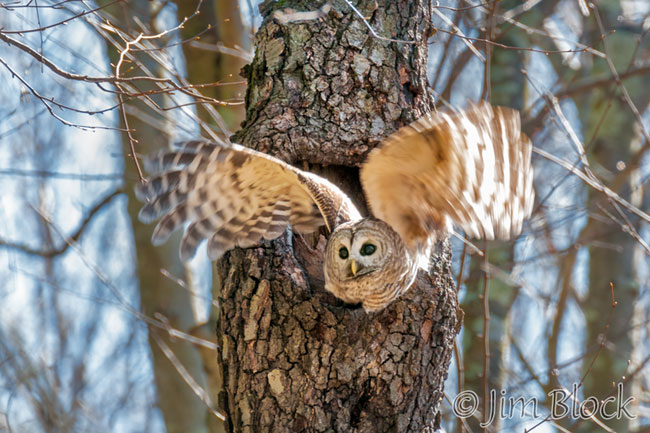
(353, 267)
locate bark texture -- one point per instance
(294, 358)
(326, 91)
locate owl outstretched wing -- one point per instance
(234, 196)
(471, 168)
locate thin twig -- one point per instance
(372, 31)
(40, 29)
(74, 237)
(593, 183)
(54, 68)
(458, 32)
(602, 342)
(486, 337)
(511, 47)
(187, 377)
(123, 302)
(46, 103)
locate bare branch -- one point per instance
(74, 237)
(60, 23)
(372, 31)
(44, 60)
(187, 377)
(60, 175)
(593, 183)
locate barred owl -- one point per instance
(471, 168)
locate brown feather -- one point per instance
(234, 196)
(471, 168)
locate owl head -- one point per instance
(366, 262)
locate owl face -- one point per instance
(357, 250)
(364, 261)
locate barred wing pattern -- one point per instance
(471, 168)
(234, 196)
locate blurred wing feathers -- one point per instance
(471, 167)
(233, 196)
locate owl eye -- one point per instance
(368, 249)
(343, 253)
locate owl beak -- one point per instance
(353, 267)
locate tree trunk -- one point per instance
(219, 22)
(615, 142)
(325, 92)
(159, 294)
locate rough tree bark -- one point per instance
(324, 93)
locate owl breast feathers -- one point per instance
(471, 169)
